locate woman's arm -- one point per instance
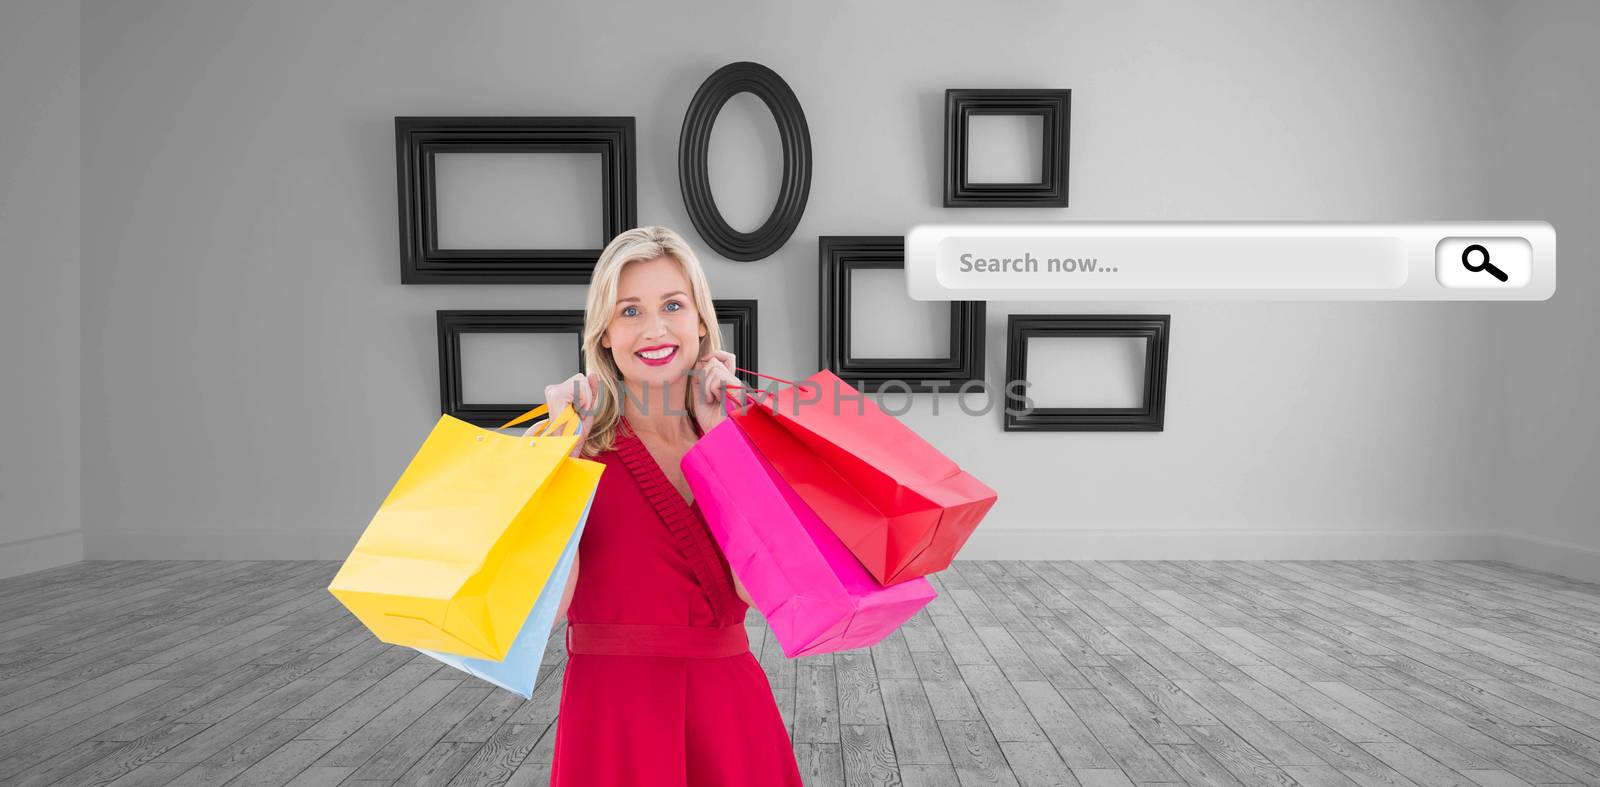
(566, 597)
(739, 586)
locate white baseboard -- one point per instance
(1153, 544)
(230, 545)
(1556, 557)
(988, 543)
(27, 555)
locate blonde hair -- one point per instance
(635, 245)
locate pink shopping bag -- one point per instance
(815, 594)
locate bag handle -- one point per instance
(769, 377)
(568, 416)
(534, 413)
(728, 400)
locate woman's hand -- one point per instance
(559, 397)
(710, 381)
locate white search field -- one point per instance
(1124, 261)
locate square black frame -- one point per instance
(741, 314)
(454, 322)
(419, 139)
(841, 255)
(1054, 106)
(1155, 329)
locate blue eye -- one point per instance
(675, 303)
(626, 310)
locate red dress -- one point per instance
(660, 687)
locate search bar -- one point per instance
(1121, 261)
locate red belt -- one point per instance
(684, 642)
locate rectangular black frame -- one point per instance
(1054, 106)
(419, 139)
(839, 256)
(454, 322)
(742, 315)
(1155, 329)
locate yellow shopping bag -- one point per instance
(458, 552)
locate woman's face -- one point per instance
(655, 330)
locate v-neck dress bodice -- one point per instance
(660, 686)
(641, 528)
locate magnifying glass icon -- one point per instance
(1466, 261)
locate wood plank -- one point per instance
(497, 760)
(868, 755)
(816, 701)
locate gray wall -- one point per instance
(255, 377)
(40, 524)
(1550, 507)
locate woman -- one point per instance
(660, 685)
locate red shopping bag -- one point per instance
(902, 508)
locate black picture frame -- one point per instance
(1155, 329)
(419, 139)
(841, 255)
(694, 178)
(1053, 106)
(452, 323)
(740, 315)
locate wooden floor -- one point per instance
(1031, 673)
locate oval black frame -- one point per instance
(695, 141)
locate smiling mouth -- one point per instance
(657, 356)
